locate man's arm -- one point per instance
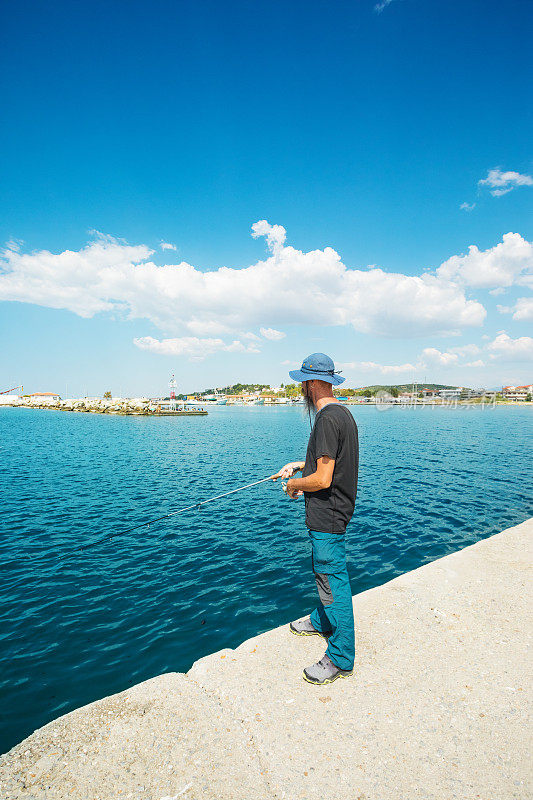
(321, 479)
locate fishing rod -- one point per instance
(165, 516)
(158, 519)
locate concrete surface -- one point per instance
(437, 707)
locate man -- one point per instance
(329, 484)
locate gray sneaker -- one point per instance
(325, 671)
(304, 627)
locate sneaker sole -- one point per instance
(306, 633)
(328, 680)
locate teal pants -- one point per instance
(334, 613)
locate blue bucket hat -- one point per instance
(317, 367)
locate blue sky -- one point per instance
(359, 131)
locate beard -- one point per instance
(309, 406)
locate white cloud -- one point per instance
(272, 334)
(381, 5)
(85, 281)
(523, 309)
(289, 287)
(500, 183)
(372, 366)
(191, 346)
(520, 349)
(431, 357)
(496, 292)
(465, 350)
(506, 263)
(167, 246)
(467, 206)
(274, 234)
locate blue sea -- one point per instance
(79, 627)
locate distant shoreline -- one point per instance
(134, 411)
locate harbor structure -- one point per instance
(45, 398)
(172, 385)
(437, 711)
(171, 406)
(9, 399)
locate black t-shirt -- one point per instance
(335, 435)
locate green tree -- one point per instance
(292, 390)
(394, 391)
(528, 398)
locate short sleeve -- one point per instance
(326, 437)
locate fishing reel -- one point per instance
(284, 489)
(284, 483)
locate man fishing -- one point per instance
(329, 485)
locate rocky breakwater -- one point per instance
(91, 405)
(136, 406)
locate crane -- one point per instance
(7, 391)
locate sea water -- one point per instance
(74, 629)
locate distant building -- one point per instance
(44, 397)
(451, 394)
(9, 399)
(518, 393)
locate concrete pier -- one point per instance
(437, 707)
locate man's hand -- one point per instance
(288, 470)
(321, 479)
(292, 491)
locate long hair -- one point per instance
(309, 406)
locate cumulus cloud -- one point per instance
(467, 206)
(504, 347)
(428, 358)
(500, 183)
(510, 261)
(523, 309)
(275, 235)
(288, 287)
(167, 246)
(191, 346)
(272, 334)
(85, 281)
(431, 357)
